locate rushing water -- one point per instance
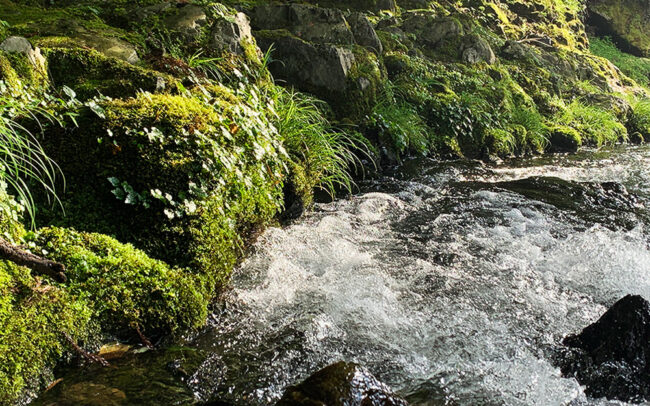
(451, 282)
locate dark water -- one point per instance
(451, 282)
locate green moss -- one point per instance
(33, 319)
(123, 286)
(33, 316)
(8, 75)
(190, 176)
(364, 85)
(500, 142)
(90, 73)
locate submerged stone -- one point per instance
(612, 356)
(341, 384)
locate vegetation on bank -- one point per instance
(174, 159)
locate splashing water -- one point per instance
(444, 283)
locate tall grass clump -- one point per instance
(535, 136)
(400, 127)
(23, 162)
(640, 119)
(596, 126)
(633, 66)
(320, 157)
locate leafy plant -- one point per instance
(640, 120)
(207, 66)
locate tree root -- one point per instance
(39, 265)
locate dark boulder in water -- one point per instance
(341, 384)
(612, 356)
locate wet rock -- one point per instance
(113, 351)
(612, 356)
(92, 394)
(364, 33)
(341, 384)
(476, 49)
(227, 34)
(320, 68)
(23, 46)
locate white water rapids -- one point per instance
(448, 294)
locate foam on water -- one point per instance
(462, 305)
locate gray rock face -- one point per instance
(476, 49)
(16, 45)
(227, 34)
(514, 50)
(431, 30)
(23, 46)
(364, 33)
(149, 11)
(314, 67)
(188, 22)
(310, 23)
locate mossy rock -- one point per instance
(625, 20)
(564, 139)
(124, 287)
(90, 73)
(189, 176)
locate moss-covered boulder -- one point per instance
(565, 139)
(91, 73)
(188, 175)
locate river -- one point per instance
(453, 282)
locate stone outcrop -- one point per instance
(626, 21)
(341, 384)
(22, 46)
(320, 68)
(228, 34)
(317, 50)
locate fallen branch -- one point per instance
(39, 265)
(90, 357)
(143, 338)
